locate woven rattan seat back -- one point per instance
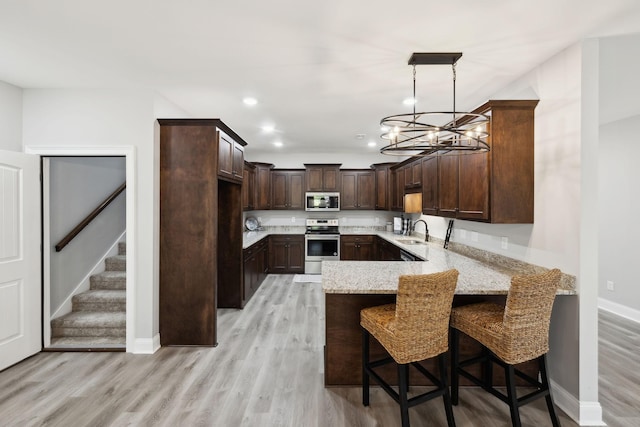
(527, 314)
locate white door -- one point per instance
(20, 290)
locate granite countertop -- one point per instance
(489, 276)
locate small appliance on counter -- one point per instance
(398, 225)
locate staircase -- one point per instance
(98, 317)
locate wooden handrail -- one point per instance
(78, 228)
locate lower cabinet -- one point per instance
(357, 247)
(255, 263)
(286, 253)
(387, 251)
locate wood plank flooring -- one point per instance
(619, 370)
(266, 371)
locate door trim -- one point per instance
(129, 152)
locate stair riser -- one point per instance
(100, 306)
(116, 264)
(122, 248)
(89, 332)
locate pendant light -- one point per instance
(427, 133)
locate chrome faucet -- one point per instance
(426, 229)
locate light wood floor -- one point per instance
(266, 371)
(619, 370)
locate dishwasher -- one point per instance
(407, 256)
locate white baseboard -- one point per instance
(619, 309)
(85, 283)
(583, 413)
(146, 345)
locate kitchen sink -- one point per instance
(411, 242)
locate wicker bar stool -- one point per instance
(412, 330)
(513, 334)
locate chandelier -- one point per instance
(424, 134)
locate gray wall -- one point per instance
(619, 174)
(77, 186)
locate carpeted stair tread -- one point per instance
(100, 300)
(116, 280)
(116, 263)
(78, 319)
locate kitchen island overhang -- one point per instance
(350, 286)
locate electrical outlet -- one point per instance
(259, 220)
(293, 219)
(474, 236)
(463, 233)
(610, 286)
(376, 220)
(505, 243)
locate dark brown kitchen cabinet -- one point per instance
(383, 185)
(357, 247)
(448, 185)
(286, 253)
(322, 177)
(473, 187)
(387, 251)
(230, 158)
(200, 229)
(430, 185)
(287, 189)
(256, 263)
(398, 189)
(263, 186)
(248, 187)
(357, 189)
(413, 174)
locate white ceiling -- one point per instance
(322, 71)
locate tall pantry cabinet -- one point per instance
(200, 227)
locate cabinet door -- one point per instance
(248, 188)
(278, 252)
(347, 249)
(348, 191)
(296, 255)
(382, 188)
(279, 184)
(296, 190)
(314, 178)
(225, 156)
(263, 187)
(473, 196)
(365, 190)
(430, 185)
(237, 161)
(448, 185)
(416, 173)
(331, 178)
(366, 251)
(399, 190)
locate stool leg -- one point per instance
(487, 369)
(402, 393)
(510, 377)
(365, 364)
(442, 362)
(455, 359)
(542, 360)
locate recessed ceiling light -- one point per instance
(409, 101)
(268, 128)
(250, 101)
(360, 136)
(371, 144)
(278, 143)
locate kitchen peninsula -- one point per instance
(350, 286)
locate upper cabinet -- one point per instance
(383, 185)
(230, 158)
(262, 197)
(429, 180)
(322, 177)
(287, 189)
(248, 187)
(358, 189)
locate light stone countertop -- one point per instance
(381, 277)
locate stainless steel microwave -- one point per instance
(321, 201)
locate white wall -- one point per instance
(619, 175)
(77, 185)
(10, 117)
(110, 118)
